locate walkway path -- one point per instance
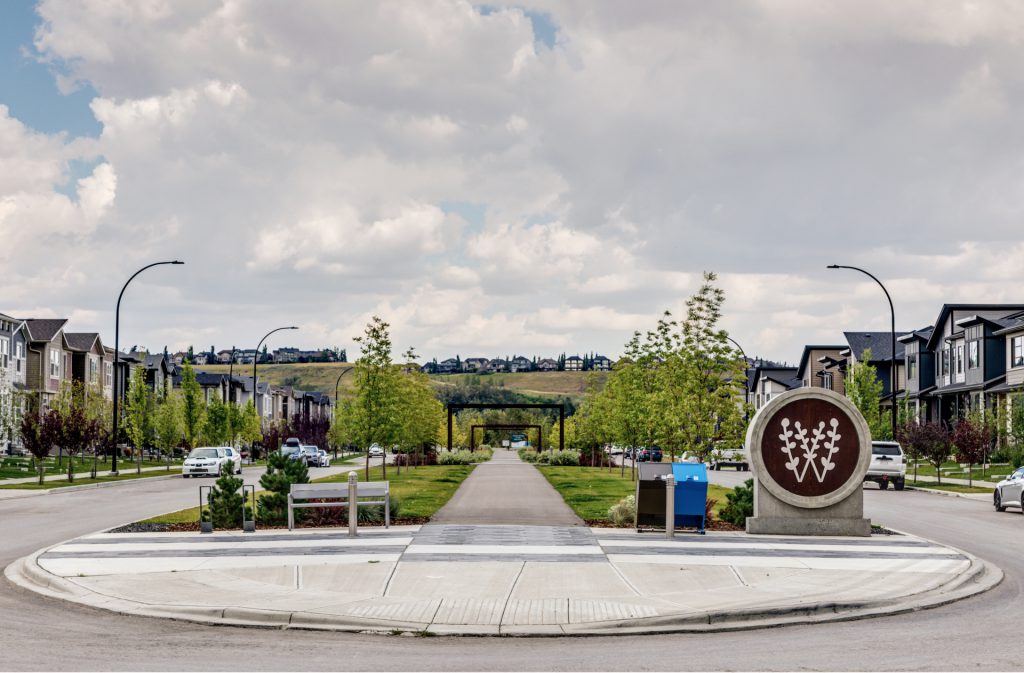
(505, 490)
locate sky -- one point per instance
(535, 178)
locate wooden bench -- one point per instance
(301, 494)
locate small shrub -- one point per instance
(623, 513)
(528, 455)
(482, 455)
(564, 458)
(544, 458)
(739, 504)
(709, 510)
(282, 472)
(226, 501)
(459, 458)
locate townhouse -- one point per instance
(820, 367)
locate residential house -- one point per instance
(1010, 394)
(449, 366)
(574, 363)
(90, 363)
(495, 366)
(818, 368)
(283, 355)
(768, 382)
(316, 405)
(126, 365)
(919, 365)
(200, 358)
(601, 364)
(158, 373)
(970, 357)
(45, 364)
(547, 365)
(224, 357)
(880, 345)
(474, 364)
(520, 364)
(14, 339)
(179, 357)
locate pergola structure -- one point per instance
(452, 408)
(504, 426)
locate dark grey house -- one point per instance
(919, 365)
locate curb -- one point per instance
(948, 494)
(979, 577)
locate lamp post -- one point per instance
(231, 377)
(746, 385)
(117, 355)
(256, 357)
(336, 384)
(892, 315)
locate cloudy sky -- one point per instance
(533, 178)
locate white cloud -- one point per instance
(304, 164)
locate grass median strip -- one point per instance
(81, 481)
(420, 491)
(952, 488)
(590, 491)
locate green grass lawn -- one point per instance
(590, 491)
(20, 468)
(954, 488)
(954, 471)
(101, 479)
(420, 491)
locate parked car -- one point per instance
(311, 454)
(206, 461)
(290, 445)
(325, 458)
(376, 450)
(738, 458)
(887, 465)
(1010, 492)
(654, 454)
(614, 450)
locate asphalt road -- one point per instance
(40, 633)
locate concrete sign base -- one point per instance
(774, 517)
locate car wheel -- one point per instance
(883, 484)
(997, 501)
(899, 484)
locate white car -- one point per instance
(1009, 492)
(887, 465)
(206, 461)
(738, 458)
(376, 450)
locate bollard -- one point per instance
(353, 504)
(670, 506)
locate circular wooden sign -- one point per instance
(810, 447)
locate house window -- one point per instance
(5, 352)
(972, 355)
(1017, 351)
(826, 380)
(54, 364)
(960, 359)
(945, 362)
(911, 367)
(94, 374)
(108, 376)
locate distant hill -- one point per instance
(322, 376)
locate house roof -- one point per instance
(805, 358)
(155, 361)
(573, 357)
(81, 341)
(922, 334)
(880, 344)
(44, 329)
(1010, 310)
(1013, 325)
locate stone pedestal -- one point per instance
(775, 517)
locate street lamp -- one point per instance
(256, 357)
(117, 354)
(892, 314)
(746, 386)
(336, 383)
(231, 377)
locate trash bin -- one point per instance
(650, 494)
(691, 494)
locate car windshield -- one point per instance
(885, 449)
(203, 453)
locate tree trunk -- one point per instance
(71, 467)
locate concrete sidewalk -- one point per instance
(502, 580)
(505, 490)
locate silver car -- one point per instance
(1009, 491)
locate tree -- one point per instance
(225, 500)
(10, 404)
(168, 424)
(38, 435)
(77, 430)
(930, 441)
(282, 472)
(193, 406)
(971, 437)
(864, 389)
(250, 428)
(138, 409)
(216, 429)
(376, 385)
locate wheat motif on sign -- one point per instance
(802, 449)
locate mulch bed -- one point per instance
(711, 525)
(193, 526)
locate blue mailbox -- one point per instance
(691, 494)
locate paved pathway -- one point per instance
(505, 490)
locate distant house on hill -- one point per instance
(449, 366)
(574, 363)
(601, 364)
(547, 365)
(474, 364)
(520, 364)
(497, 365)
